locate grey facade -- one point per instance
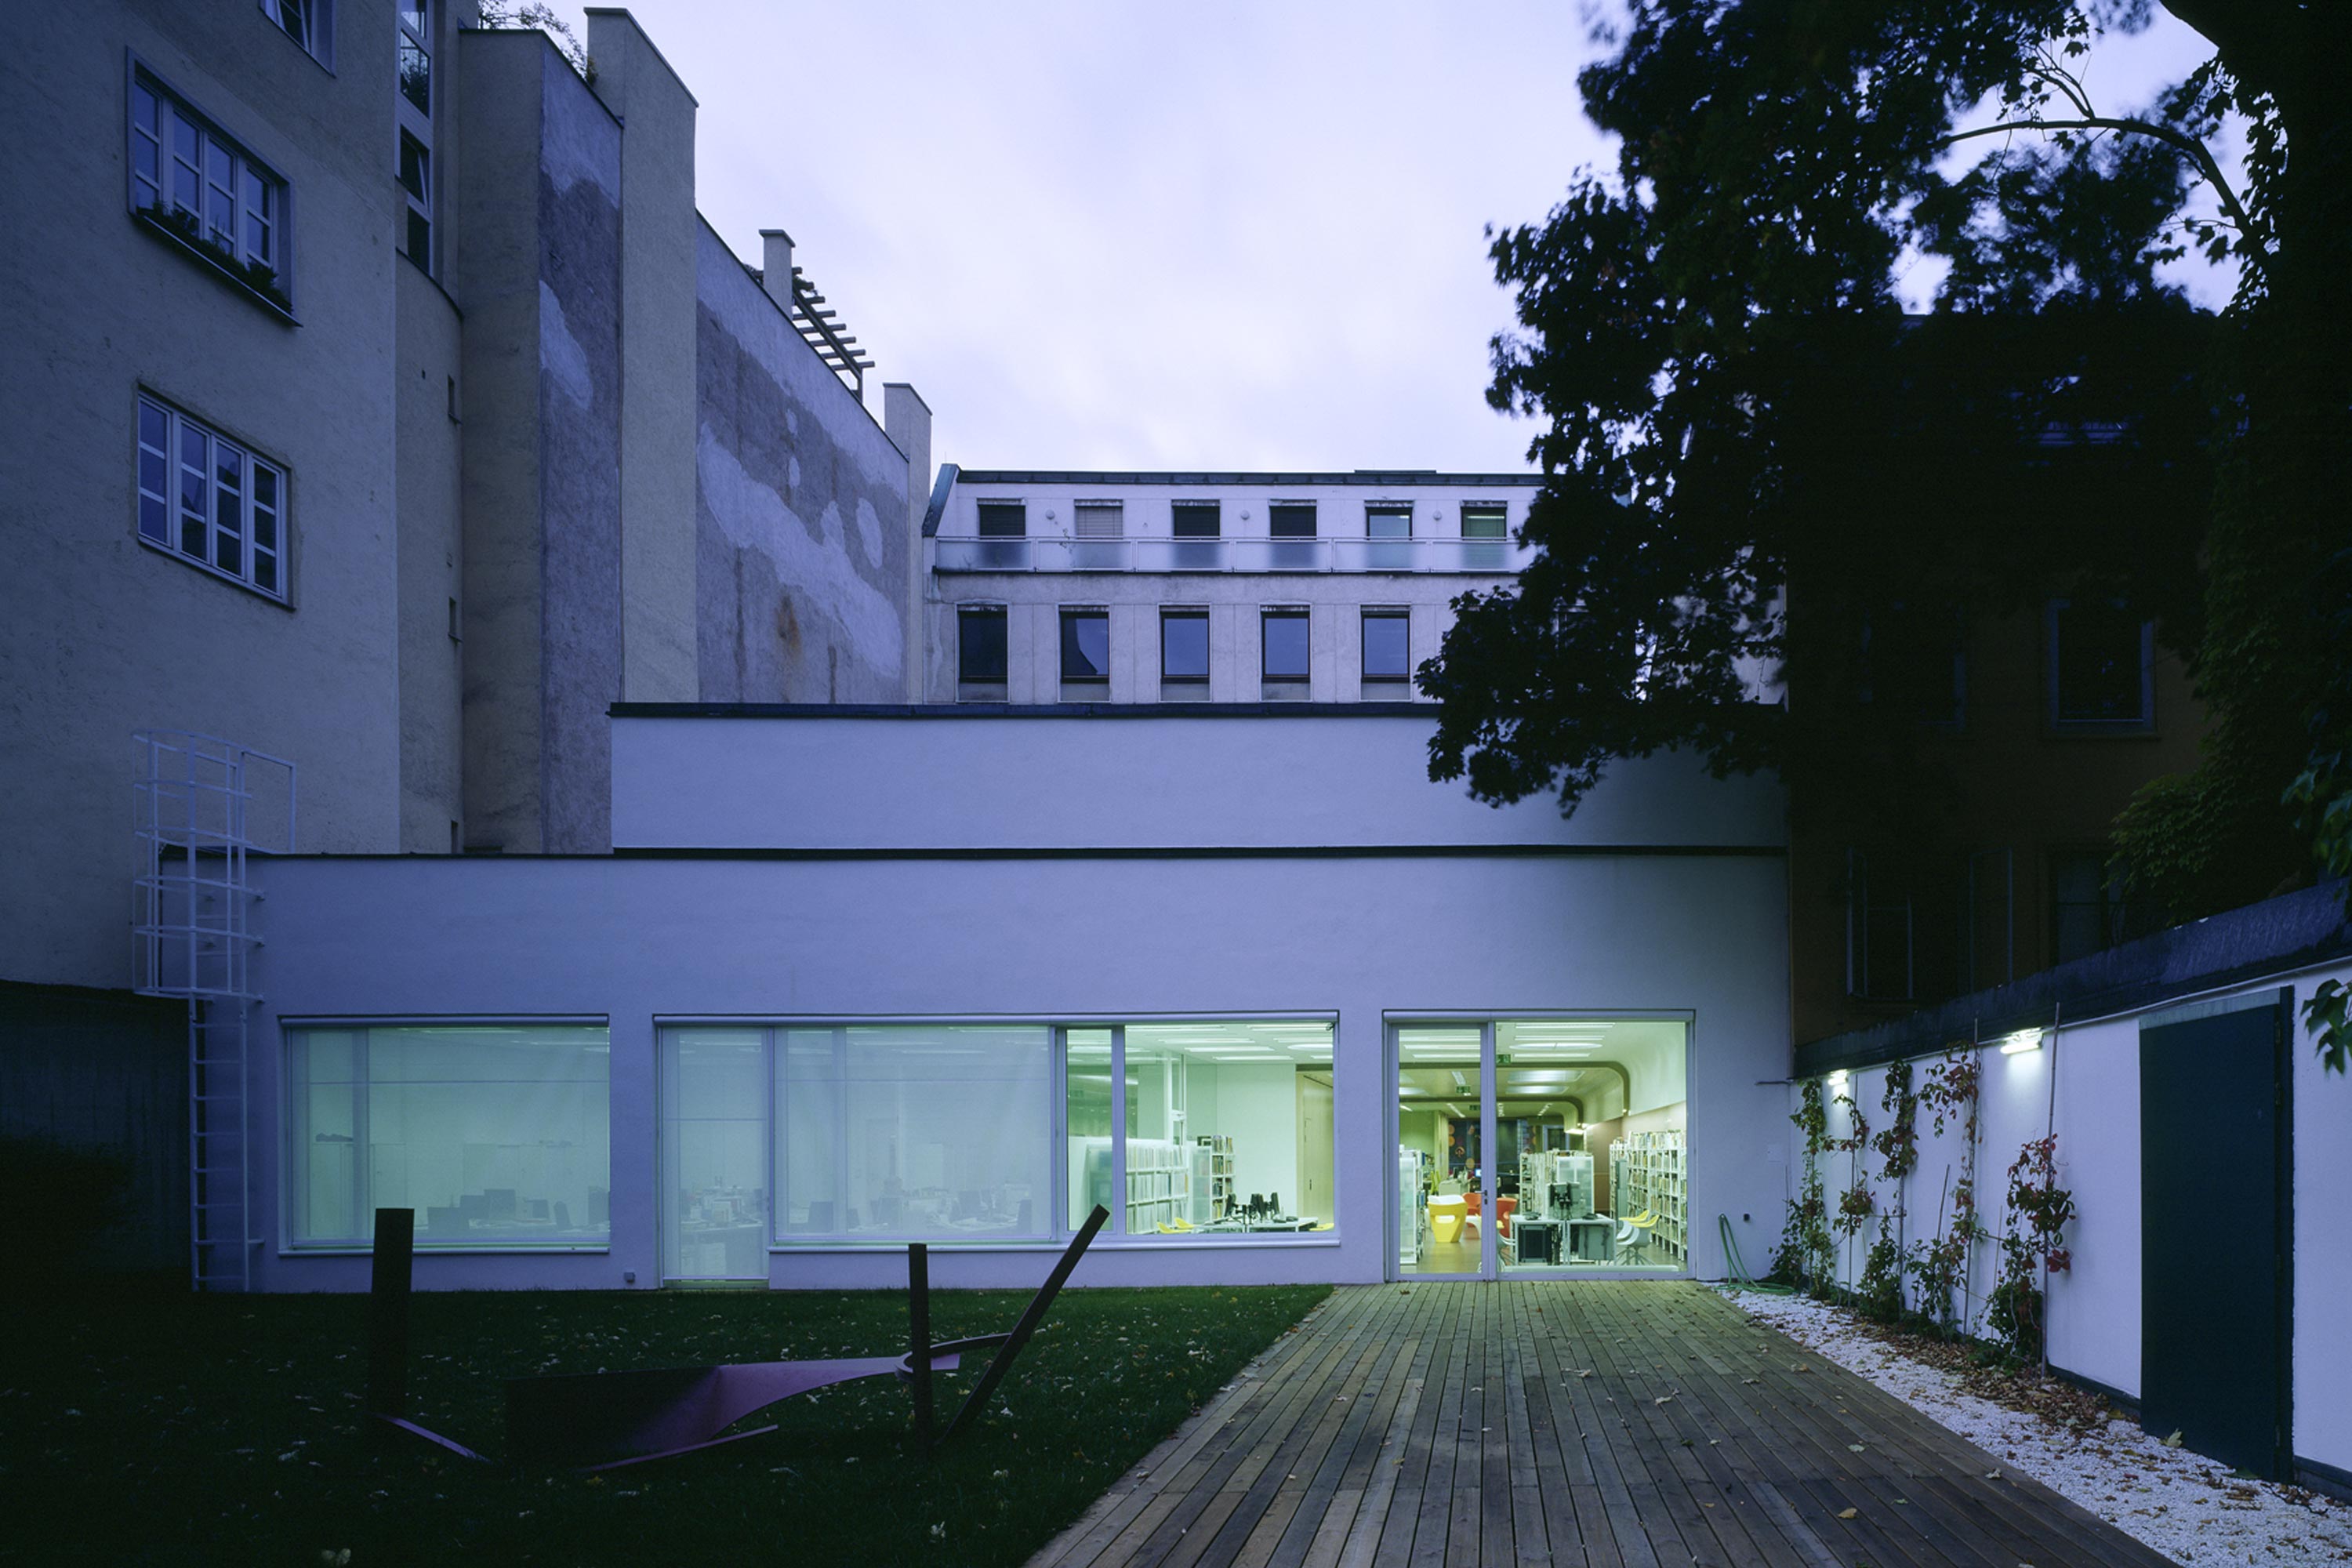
(556, 449)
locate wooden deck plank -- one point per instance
(1457, 1424)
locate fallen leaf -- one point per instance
(1854, 1447)
(1849, 1513)
(2173, 1441)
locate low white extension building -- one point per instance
(856, 977)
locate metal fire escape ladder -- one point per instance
(198, 816)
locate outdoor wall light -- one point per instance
(1837, 1078)
(2020, 1043)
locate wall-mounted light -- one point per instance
(2020, 1043)
(1837, 1078)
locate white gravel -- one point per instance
(2185, 1506)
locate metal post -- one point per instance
(396, 1250)
(919, 1320)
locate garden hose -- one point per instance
(1740, 1279)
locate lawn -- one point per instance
(150, 1425)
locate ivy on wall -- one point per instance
(1939, 1266)
(2033, 1247)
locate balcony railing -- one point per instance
(1469, 556)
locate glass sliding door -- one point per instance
(1444, 1125)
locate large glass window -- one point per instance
(980, 644)
(913, 1131)
(714, 1153)
(1229, 1127)
(495, 1134)
(1386, 653)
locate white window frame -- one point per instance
(413, 124)
(255, 210)
(185, 436)
(309, 24)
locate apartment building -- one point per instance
(1204, 588)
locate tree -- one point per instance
(1741, 421)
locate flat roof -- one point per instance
(1377, 478)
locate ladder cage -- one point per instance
(202, 807)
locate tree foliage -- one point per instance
(1754, 460)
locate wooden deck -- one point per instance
(1597, 1424)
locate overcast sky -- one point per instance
(1218, 234)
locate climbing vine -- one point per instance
(1880, 1290)
(1939, 1266)
(2032, 1246)
(1807, 1252)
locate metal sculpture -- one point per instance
(606, 1420)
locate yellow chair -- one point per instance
(1446, 1214)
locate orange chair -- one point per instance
(1503, 1208)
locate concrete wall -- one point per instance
(960, 779)
(432, 526)
(539, 266)
(801, 511)
(100, 633)
(2094, 1312)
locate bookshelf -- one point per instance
(1159, 1183)
(1211, 1177)
(1648, 1174)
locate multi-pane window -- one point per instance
(416, 55)
(980, 645)
(416, 181)
(1386, 645)
(1196, 520)
(1284, 643)
(496, 1135)
(189, 179)
(210, 498)
(1085, 645)
(1184, 646)
(304, 21)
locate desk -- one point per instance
(1591, 1240)
(1445, 1218)
(1539, 1240)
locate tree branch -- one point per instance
(2187, 146)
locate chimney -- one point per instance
(906, 420)
(776, 266)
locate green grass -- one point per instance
(150, 1425)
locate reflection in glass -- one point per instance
(714, 1155)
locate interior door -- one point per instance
(2217, 1231)
(1440, 1223)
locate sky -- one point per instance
(1214, 235)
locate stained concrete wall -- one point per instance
(428, 355)
(100, 633)
(540, 269)
(802, 510)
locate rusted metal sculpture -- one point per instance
(605, 1420)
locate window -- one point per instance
(416, 181)
(1877, 928)
(304, 21)
(416, 55)
(1184, 646)
(1003, 520)
(980, 657)
(1085, 645)
(714, 1153)
(1386, 642)
(210, 499)
(1196, 520)
(495, 1134)
(1388, 520)
(1282, 644)
(1291, 519)
(2086, 906)
(913, 1131)
(195, 184)
(1099, 520)
(1485, 519)
(2101, 665)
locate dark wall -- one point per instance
(105, 1071)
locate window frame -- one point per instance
(1001, 616)
(1269, 614)
(192, 230)
(1069, 616)
(2053, 657)
(1176, 511)
(982, 506)
(1273, 518)
(1500, 511)
(1184, 613)
(1370, 614)
(176, 420)
(318, 38)
(1860, 908)
(288, 1028)
(1388, 508)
